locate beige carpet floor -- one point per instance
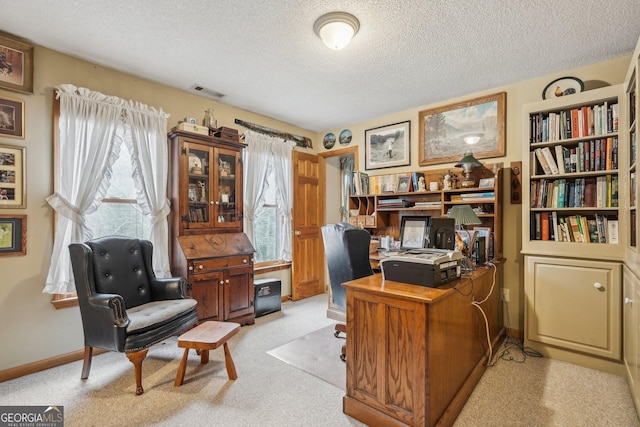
(270, 392)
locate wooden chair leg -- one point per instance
(86, 367)
(136, 358)
(228, 361)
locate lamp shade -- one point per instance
(463, 215)
(468, 159)
(336, 29)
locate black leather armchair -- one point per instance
(124, 307)
(347, 253)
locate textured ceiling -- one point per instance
(264, 56)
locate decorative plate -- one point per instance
(329, 141)
(345, 137)
(562, 87)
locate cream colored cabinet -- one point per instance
(573, 305)
(631, 314)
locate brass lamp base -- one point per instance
(468, 181)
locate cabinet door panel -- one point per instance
(238, 293)
(206, 290)
(574, 304)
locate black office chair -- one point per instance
(347, 253)
(123, 306)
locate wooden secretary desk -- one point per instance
(208, 245)
(415, 354)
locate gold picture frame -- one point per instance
(443, 129)
(12, 177)
(16, 65)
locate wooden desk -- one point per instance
(415, 354)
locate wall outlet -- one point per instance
(505, 295)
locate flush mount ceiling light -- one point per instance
(336, 29)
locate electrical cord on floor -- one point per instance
(511, 343)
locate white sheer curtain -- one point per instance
(282, 168)
(256, 166)
(150, 163)
(88, 146)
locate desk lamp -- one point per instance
(464, 215)
(468, 162)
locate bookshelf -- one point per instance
(574, 161)
(382, 212)
(572, 187)
(631, 278)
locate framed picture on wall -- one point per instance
(444, 131)
(12, 177)
(13, 235)
(16, 65)
(388, 146)
(11, 118)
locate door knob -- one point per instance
(297, 232)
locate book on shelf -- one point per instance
(542, 160)
(415, 180)
(612, 231)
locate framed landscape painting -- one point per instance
(443, 130)
(388, 146)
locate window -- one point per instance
(119, 213)
(266, 226)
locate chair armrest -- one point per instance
(109, 309)
(168, 288)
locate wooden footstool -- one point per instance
(204, 337)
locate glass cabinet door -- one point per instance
(226, 184)
(199, 189)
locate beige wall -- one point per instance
(518, 94)
(33, 330)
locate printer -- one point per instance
(424, 267)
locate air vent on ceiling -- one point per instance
(207, 92)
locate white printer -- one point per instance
(423, 267)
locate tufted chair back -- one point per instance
(121, 266)
(347, 252)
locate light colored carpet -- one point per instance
(270, 392)
(318, 354)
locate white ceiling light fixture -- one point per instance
(336, 29)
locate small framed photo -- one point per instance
(413, 232)
(404, 184)
(13, 235)
(12, 177)
(16, 65)
(486, 233)
(486, 182)
(11, 118)
(388, 146)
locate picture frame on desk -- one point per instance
(413, 232)
(486, 233)
(388, 146)
(443, 130)
(404, 184)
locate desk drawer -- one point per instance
(205, 265)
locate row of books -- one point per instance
(590, 192)
(474, 196)
(199, 214)
(594, 155)
(363, 184)
(574, 123)
(573, 228)
(360, 183)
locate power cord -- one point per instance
(513, 343)
(477, 304)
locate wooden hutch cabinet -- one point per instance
(208, 245)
